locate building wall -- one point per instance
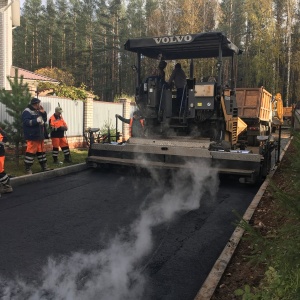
(2, 76)
(5, 42)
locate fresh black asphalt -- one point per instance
(82, 211)
(55, 214)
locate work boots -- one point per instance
(67, 158)
(44, 167)
(28, 170)
(56, 161)
(5, 188)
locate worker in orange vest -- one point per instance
(136, 124)
(58, 128)
(5, 187)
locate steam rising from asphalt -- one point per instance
(113, 273)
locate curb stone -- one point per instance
(212, 280)
(20, 180)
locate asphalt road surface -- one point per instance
(110, 235)
(129, 245)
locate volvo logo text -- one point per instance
(173, 39)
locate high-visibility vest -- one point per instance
(53, 122)
(2, 155)
(130, 125)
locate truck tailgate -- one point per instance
(254, 103)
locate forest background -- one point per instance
(86, 38)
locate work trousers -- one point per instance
(3, 176)
(35, 148)
(60, 143)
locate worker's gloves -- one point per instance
(117, 116)
(40, 120)
(63, 128)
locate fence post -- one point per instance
(88, 112)
(126, 114)
(32, 89)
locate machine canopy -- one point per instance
(199, 45)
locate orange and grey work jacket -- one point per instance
(2, 153)
(58, 126)
(3, 136)
(136, 127)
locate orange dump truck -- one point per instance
(255, 109)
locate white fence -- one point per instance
(73, 113)
(3, 114)
(104, 114)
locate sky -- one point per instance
(22, 2)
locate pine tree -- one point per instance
(15, 101)
(33, 38)
(49, 32)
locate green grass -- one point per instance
(14, 167)
(279, 250)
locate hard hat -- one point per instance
(58, 110)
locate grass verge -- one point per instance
(278, 249)
(14, 167)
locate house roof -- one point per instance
(28, 75)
